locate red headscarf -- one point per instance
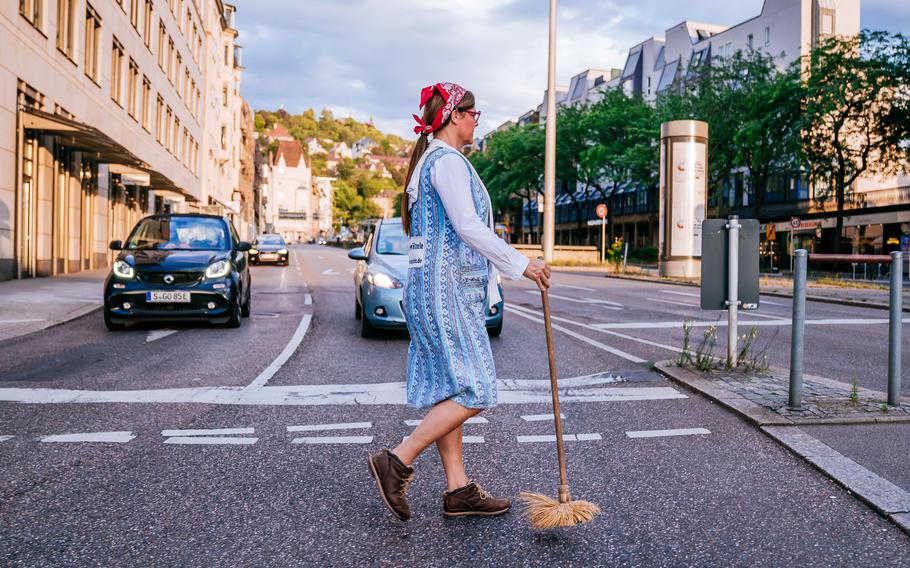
(451, 93)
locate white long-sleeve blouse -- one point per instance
(452, 179)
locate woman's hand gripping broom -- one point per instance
(542, 511)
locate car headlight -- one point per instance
(218, 269)
(254, 251)
(122, 269)
(382, 280)
(283, 251)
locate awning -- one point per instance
(98, 145)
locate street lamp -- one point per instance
(549, 176)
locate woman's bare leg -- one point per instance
(439, 421)
(449, 447)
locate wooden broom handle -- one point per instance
(554, 387)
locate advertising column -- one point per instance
(683, 196)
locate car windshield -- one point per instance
(392, 240)
(179, 233)
(270, 240)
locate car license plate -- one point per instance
(269, 256)
(167, 296)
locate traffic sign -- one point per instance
(795, 222)
(770, 232)
(715, 264)
(601, 210)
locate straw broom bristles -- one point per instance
(547, 513)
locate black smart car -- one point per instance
(269, 248)
(179, 267)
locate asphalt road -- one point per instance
(136, 488)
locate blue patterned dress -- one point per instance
(445, 305)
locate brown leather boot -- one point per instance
(473, 500)
(392, 477)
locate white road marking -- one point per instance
(770, 303)
(318, 395)
(285, 354)
(602, 303)
(580, 337)
(758, 315)
(330, 272)
(207, 432)
(333, 440)
(307, 300)
(723, 323)
(583, 381)
(662, 433)
(465, 439)
(156, 334)
(678, 293)
(566, 438)
(338, 426)
(21, 320)
(471, 420)
(103, 437)
(696, 306)
(540, 417)
(210, 441)
(559, 285)
(675, 303)
(5, 438)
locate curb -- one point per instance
(881, 495)
(809, 297)
(70, 316)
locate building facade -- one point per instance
(104, 117)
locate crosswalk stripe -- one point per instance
(471, 420)
(661, 433)
(540, 417)
(5, 438)
(97, 437)
(333, 440)
(465, 439)
(210, 440)
(566, 437)
(339, 426)
(207, 432)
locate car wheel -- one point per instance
(358, 311)
(234, 315)
(366, 329)
(496, 330)
(245, 308)
(111, 325)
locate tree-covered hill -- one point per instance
(327, 127)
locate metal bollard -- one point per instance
(797, 337)
(894, 328)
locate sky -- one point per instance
(370, 58)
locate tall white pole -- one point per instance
(549, 183)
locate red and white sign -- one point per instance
(795, 222)
(601, 210)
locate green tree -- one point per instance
(855, 89)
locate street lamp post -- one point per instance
(549, 183)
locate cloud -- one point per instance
(371, 57)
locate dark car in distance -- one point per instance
(269, 248)
(178, 267)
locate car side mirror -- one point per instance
(116, 245)
(357, 254)
(244, 246)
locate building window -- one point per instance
(187, 93)
(749, 41)
(146, 102)
(132, 90)
(170, 60)
(827, 22)
(178, 74)
(147, 24)
(162, 44)
(65, 31)
(159, 121)
(92, 43)
(168, 126)
(134, 14)
(224, 137)
(117, 72)
(224, 96)
(31, 11)
(767, 36)
(175, 137)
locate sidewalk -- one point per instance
(847, 434)
(33, 304)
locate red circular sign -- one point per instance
(795, 222)
(601, 210)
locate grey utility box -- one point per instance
(714, 264)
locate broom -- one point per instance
(542, 511)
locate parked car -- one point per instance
(179, 267)
(269, 248)
(382, 269)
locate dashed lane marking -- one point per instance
(723, 323)
(566, 437)
(602, 303)
(338, 426)
(465, 439)
(540, 417)
(662, 433)
(307, 300)
(207, 432)
(210, 441)
(93, 437)
(156, 334)
(559, 285)
(330, 272)
(580, 337)
(471, 420)
(5, 438)
(333, 440)
(678, 293)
